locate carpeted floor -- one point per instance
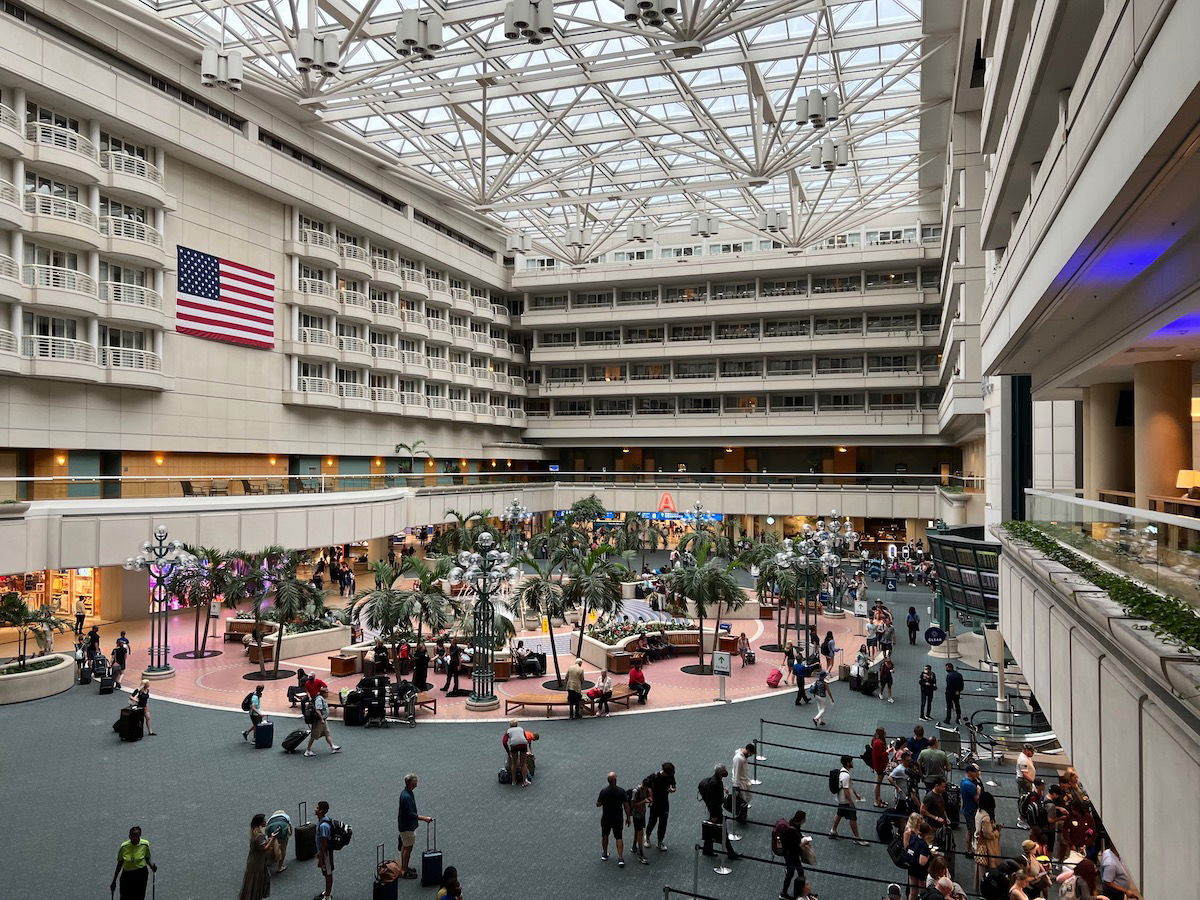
(73, 790)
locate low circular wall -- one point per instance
(22, 686)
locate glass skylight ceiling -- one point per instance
(608, 122)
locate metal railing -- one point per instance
(412, 317)
(384, 308)
(412, 276)
(438, 325)
(353, 391)
(126, 164)
(383, 395)
(9, 119)
(130, 230)
(437, 364)
(349, 344)
(63, 138)
(462, 370)
(385, 264)
(8, 342)
(315, 336)
(413, 358)
(354, 300)
(128, 358)
(384, 351)
(438, 284)
(460, 294)
(354, 252)
(60, 208)
(308, 385)
(59, 278)
(412, 398)
(9, 193)
(498, 310)
(315, 286)
(315, 238)
(9, 268)
(43, 347)
(130, 295)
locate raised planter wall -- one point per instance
(22, 686)
(327, 640)
(1124, 704)
(596, 653)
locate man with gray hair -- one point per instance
(407, 821)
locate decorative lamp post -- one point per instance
(485, 569)
(817, 555)
(514, 516)
(159, 559)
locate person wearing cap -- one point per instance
(968, 790)
(1035, 869)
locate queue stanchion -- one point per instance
(720, 868)
(696, 869)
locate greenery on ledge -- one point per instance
(31, 666)
(612, 632)
(1172, 619)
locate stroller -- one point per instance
(406, 696)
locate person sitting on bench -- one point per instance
(657, 647)
(527, 663)
(295, 690)
(383, 662)
(637, 683)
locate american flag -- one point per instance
(225, 301)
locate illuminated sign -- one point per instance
(666, 503)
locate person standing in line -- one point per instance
(790, 840)
(913, 621)
(133, 866)
(407, 820)
(887, 637)
(1026, 775)
(662, 784)
(712, 795)
(847, 798)
(927, 682)
(80, 615)
(933, 763)
(879, 762)
(141, 699)
(613, 803)
(822, 691)
(741, 781)
(255, 712)
(256, 880)
(575, 690)
(887, 677)
(91, 647)
(954, 687)
(987, 835)
(453, 664)
(279, 828)
(1115, 881)
(320, 723)
(969, 790)
(872, 634)
(638, 802)
(325, 849)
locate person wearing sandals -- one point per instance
(279, 827)
(256, 881)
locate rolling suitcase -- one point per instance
(774, 678)
(107, 684)
(749, 657)
(99, 666)
(264, 735)
(870, 684)
(353, 714)
(294, 740)
(129, 726)
(504, 776)
(85, 675)
(843, 672)
(306, 836)
(431, 859)
(386, 886)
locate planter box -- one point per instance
(13, 510)
(22, 686)
(324, 641)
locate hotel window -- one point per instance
(344, 237)
(638, 297)
(556, 339)
(572, 407)
(691, 332)
(774, 328)
(592, 298)
(648, 371)
(606, 373)
(655, 406)
(891, 236)
(836, 284)
(703, 369)
(732, 247)
(632, 255)
(791, 403)
(839, 241)
(600, 337)
(40, 184)
(889, 363)
(830, 365)
(311, 369)
(893, 322)
(679, 252)
(49, 326)
(931, 233)
(841, 402)
(540, 262)
(613, 406)
(307, 320)
(40, 255)
(838, 325)
(381, 381)
(893, 400)
(123, 274)
(745, 403)
(314, 274)
(564, 375)
(770, 245)
(739, 291)
(122, 337)
(644, 335)
(684, 294)
(793, 287)
(37, 113)
(799, 365)
(737, 331)
(741, 368)
(115, 209)
(700, 405)
(883, 280)
(114, 144)
(307, 224)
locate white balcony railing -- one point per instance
(134, 166)
(437, 402)
(460, 294)
(315, 336)
(9, 193)
(8, 342)
(412, 317)
(461, 406)
(315, 238)
(354, 252)
(308, 385)
(9, 268)
(59, 278)
(384, 308)
(130, 230)
(462, 332)
(385, 264)
(480, 372)
(412, 276)
(355, 300)
(42, 347)
(498, 310)
(437, 364)
(384, 351)
(9, 119)
(440, 325)
(438, 284)
(353, 345)
(315, 286)
(462, 370)
(128, 358)
(479, 339)
(479, 409)
(63, 138)
(130, 295)
(412, 358)
(60, 208)
(353, 391)
(412, 398)
(384, 395)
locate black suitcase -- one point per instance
(264, 735)
(353, 715)
(99, 666)
(504, 776)
(383, 890)
(107, 684)
(749, 657)
(431, 859)
(306, 836)
(129, 726)
(85, 675)
(294, 740)
(871, 683)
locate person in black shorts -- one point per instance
(662, 784)
(638, 801)
(615, 813)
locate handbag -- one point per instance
(808, 854)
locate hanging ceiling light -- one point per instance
(828, 155)
(576, 237)
(639, 231)
(316, 53)
(772, 220)
(221, 69)
(705, 226)
(418, 35)
(519, 242)
(533, 21)
(819, 109)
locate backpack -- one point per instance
(898, 852)
(247, 702)
(309, 712)
(1069, 889)
(339, 834)
(994, 885)
(777, 833)
(835, 780)
(868, 756)
(1034, 813)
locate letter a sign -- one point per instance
(666, 503)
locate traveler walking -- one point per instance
(913, 621)
(879, 762)
(141, 699)
(741, 781)
(80, 615)
(847, 798)
(662, 786)
(256, 880)
(953, 688)
(800, 673)
(453, 665)
(253, 705)
(407, 821)
(822, 691)
(133, 866)
(119, 656)
(712, 795)
(91, 647)
(575, 690)
(927, 682)
(786, 841)
(887, 669)
(887, 637)
(828, 649)
(615, 812)
(319, 713)
(325, 849)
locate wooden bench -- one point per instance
(622, 693)
(520, 701)
(681, 641)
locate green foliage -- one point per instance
(31, 665)
(586, 509)
(610, 633)
(16, 613)
(1172, 619)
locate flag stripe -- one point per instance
(223, 300)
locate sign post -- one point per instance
(721, 662)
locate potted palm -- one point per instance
(386, 609)
(201, 583)
(707, 581)
(542, 594)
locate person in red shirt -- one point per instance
(637, 682)
(879, 762)
(313, 686)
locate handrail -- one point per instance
(127, 164)
(59, 208)
(126, 294)
(315, 286)
(115, 226)
(9, 193)
(64, 138)
(59, 278)
(129, 358)
(8, 341)
(316, 238)
(9, 268)
(44, 347)
(355, 252)
(1119, 512)
(315, 336)
(385, 264)
(9, 118)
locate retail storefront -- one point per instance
(57, 588)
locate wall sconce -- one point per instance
(508, 463)
(271, 460)
(728, 449)
(841, 449)
(493, 464)
(379, 462)
(624, 449)
(158, 460)
(60, 459)
(462, 463)
(1196, 407)
(329, 462)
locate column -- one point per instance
(1162, 427)
(1107, 446)
(377, 549)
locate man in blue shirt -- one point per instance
(324, 849)
(407, 821)
(969, 789)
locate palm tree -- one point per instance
(639, 534)
(413, 450)
(295, 598)
(540, 593)
(16, 613)
(433, 607)
(386, 610)
(465, 529)
(585, 509)
(252, 578)
(706, 581)
(595, 583)
(202, 582)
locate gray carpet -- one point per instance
(73, 790)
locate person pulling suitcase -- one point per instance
(407, 820)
